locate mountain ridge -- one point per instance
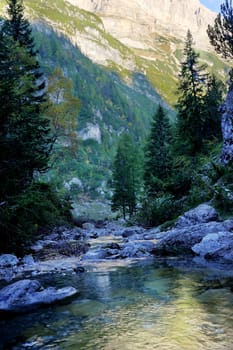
(137, 20)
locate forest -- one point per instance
(184, 160)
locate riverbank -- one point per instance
(200, 237)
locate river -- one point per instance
(143, 305)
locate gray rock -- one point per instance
(216, 246)
(112, 245)
(128, 232)
(88, 226)
(181, 240)
(25, 295)
(96, 254)
(227, 127)
(8, 260)
(28, 260)
(154, 233)
(201, 214)
(137, 249)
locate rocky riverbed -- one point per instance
(200, 234)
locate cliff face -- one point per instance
(134, 22)
(142, 36)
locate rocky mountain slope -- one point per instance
(151, 34)
(135, 22)
(134, 36)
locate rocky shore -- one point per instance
(200, 234)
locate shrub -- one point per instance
(22, 215)
(159, 210)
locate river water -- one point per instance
(141, 306)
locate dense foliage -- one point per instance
(107, 103)
(125, 177)
(25, 136)
(181, 163)
(158, 159)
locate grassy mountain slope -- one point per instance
(159, 63)
(108, 105)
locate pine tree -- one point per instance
(125, 177)
(18, 27)
(157, 154)
(25, 134)
(191, 103)
(213, 99)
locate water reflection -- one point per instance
(138, 307)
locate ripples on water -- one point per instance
(141, 307)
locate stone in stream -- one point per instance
(216, 246)
(137, 249)
(179, 241)
(25, 295)
(88, 226)
(79, 269)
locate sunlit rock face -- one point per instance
(135, 22)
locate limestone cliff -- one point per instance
(134, 22)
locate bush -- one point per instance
(22, 215)
(223, 199)
(157, 211)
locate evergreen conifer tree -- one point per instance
(25, 133)
(213, 99)
(125, 177)
(17, 27)
(191, 103)
(157, 154)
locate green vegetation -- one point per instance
(107, 103)
(200, 95)
(182, 164)
(25, 136)
(91, 114)
(125, 177)
(157, 168)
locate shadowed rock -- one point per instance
(26, 295)
(201, 214)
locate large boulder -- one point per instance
(216, 246)
(8, 260)
(201, 214)
(26, 295)
(137, 249)
(180, 241)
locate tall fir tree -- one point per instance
(191, 103)
(213, 99)
(125, 177)
(25, 132)
(158, 154)
(17, 27)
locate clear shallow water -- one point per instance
(145, 306)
